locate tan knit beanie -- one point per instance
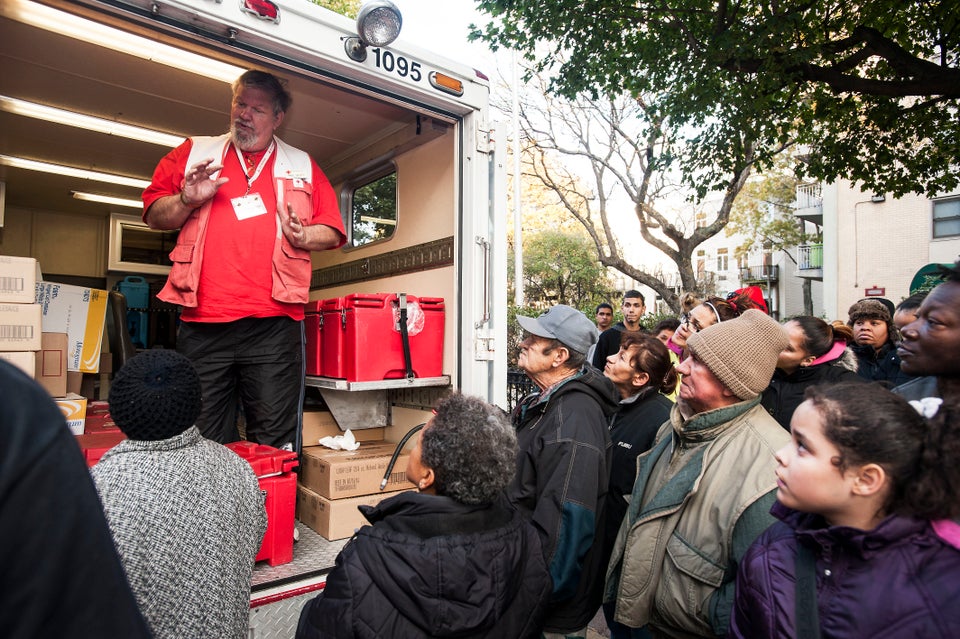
(741, 352)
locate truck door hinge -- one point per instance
(485, 140)
(485, 347)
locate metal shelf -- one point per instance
(366, 404)
(332, 383)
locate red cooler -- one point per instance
(334, 329)
(313, 325)
(373, 343)
(94, 445)
(274, 470)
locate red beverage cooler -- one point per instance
(332, 334)
(373, 341)
(313, 328)
(274, 470)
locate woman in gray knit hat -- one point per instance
(186, 513)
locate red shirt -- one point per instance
(236, 278)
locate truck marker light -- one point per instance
(263, 9)
(445, 83)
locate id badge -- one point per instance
(248, 206)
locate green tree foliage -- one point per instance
(559, 267)
(562, 268)
(871, 88)
(763, 214)
(349, 8)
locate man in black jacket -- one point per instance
(563, 465)
(633, 308)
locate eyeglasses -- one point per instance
(692, 324)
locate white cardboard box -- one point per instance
(79, 312)
(24, 360)
(18, 279)
(20, 327)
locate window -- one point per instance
(373, 206)
(136, 248)
(946, 218)
(701, 220)
(723, 260)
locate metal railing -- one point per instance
(761, 273)
(809, 256)
(518, 386)
(808, 196)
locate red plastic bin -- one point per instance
(313, 324)
(332, 332)
(372, 343)
(94, 445)
(274, 470)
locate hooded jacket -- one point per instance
(563, 470)
(897, 581)
(786, 391)
(430, 566)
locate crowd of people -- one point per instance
(803, 482)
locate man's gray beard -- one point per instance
(241, 140)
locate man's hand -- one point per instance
(315, 237)
(197, 185)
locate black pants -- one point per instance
(257, 362)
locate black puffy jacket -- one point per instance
(880, 366)
(786, 391)
(430, 566)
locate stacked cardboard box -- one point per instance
(333, 483)
(48, 329)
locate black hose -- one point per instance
(396, 453)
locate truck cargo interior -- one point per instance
(66, 69)
(95, 92)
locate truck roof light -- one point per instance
(378, 23)
(446, 84)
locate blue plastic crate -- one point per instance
(136, 290)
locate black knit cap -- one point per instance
(156, 395)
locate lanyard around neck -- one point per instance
(263, 162)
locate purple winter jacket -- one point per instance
(898, 580)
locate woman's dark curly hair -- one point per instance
(870, 424)
(471, 447)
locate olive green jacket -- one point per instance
(701, 497)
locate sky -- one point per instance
(442, 27)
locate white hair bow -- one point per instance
(927, 406)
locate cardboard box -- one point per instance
(336, 474)
(74, 409)
(51, 363)
(79, 312)
(20, 327)
(319, 424)
(18, 279)
(24, 360)
(337, 518)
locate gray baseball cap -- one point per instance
(564, 323)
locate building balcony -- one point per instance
(765, 273)
(810, 261)
(809, 204)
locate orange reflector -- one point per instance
(446, 83)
